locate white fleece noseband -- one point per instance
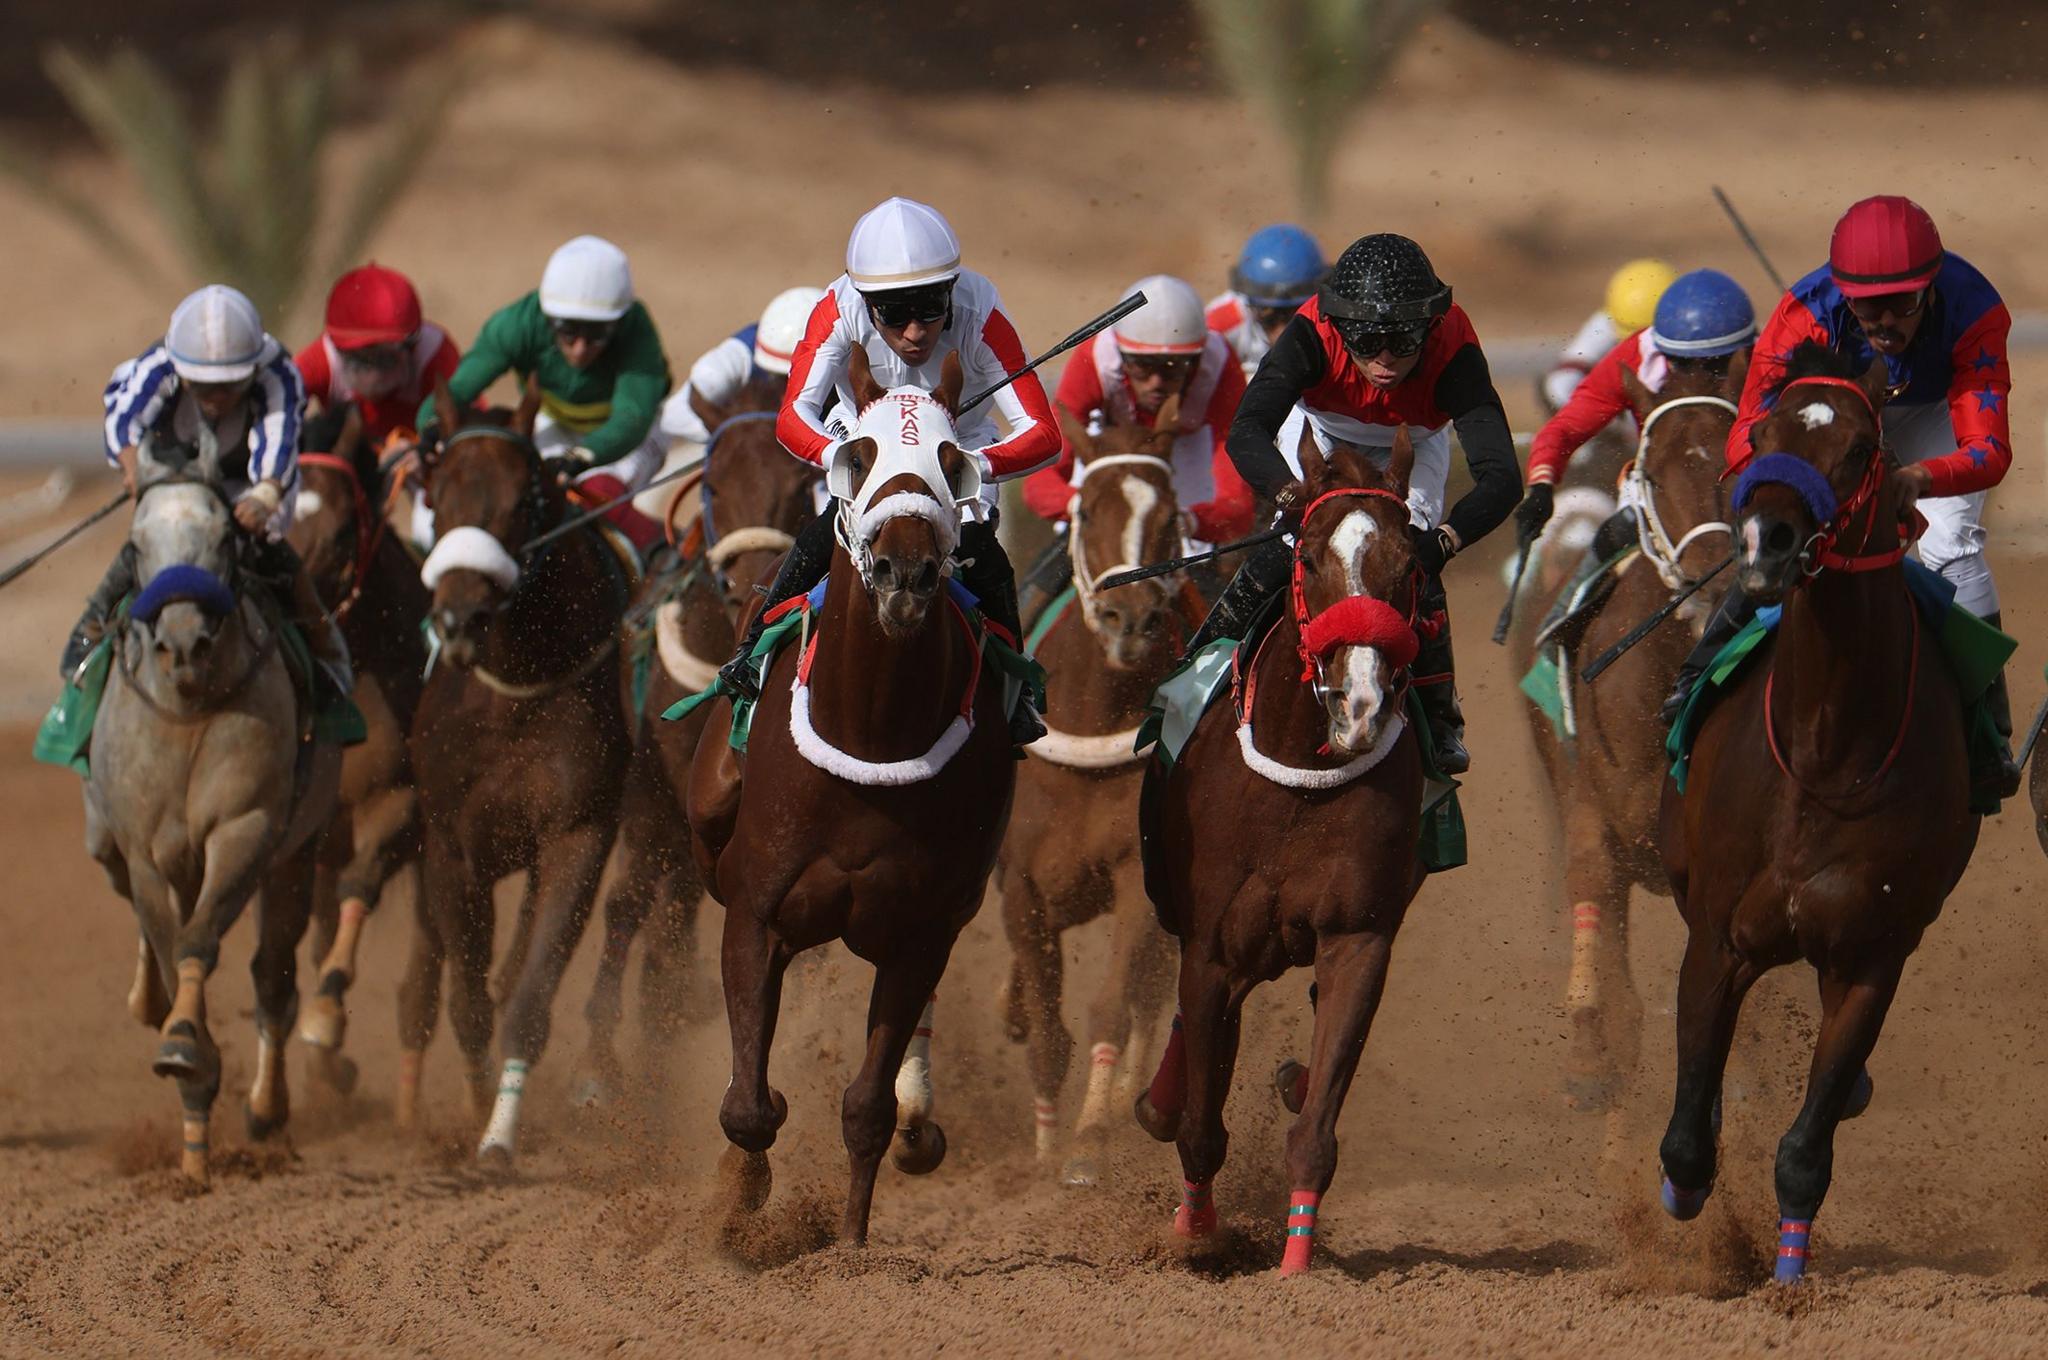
(468, 548)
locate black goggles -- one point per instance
(904, 306)
(1366, 340)
(597, 332)
(1160, 365)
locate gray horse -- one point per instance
(205, 786)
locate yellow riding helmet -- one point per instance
(1633, 292)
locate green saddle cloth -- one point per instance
(66, 732)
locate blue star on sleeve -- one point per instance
(1988, 399)
(1985, 360)
(1979, 455)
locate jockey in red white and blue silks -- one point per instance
(1890, 292)
(1279, 269)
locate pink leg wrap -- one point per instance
(1301, 1231)
(1196, 1216)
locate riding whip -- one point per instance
(73, 532)
(1507, 611)
(1095, 327)
(1171, 565)
(2033, 734)
(1649, 625)
(1748, 238)
(599, 511)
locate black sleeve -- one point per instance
(1465, 390)
(1291, 367)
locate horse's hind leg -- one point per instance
(419, 1001)
(461, 908)
(752, 959)
(1711, 984)
(626, 907)
(869, 1112)
(1598, 995)
(1127, 1004)
(281, 913)
(1351, 973)
(1210, 1008)
(1853, 1006)
(1036, 972)
(385, 835)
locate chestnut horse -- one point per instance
(1605, 779)
(1285, 834)
(1826, 813)
(753, 497)
(520, 746)
(371, 585)
(1072, 851)
(876, 786)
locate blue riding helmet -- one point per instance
(1703, 315)
(1280, 266)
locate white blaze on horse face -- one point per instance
(1357, 712)
(181, 524)
(1816, 414)
(309, 503)
(1752, 538)
(1143, 498)
(1349, 543)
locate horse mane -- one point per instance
(1811, 359)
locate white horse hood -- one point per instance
(908, 427)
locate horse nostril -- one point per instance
(885, 573)
(1779, 538)
(928, 577)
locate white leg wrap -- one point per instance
(1131, 1071)
(914, 1078)
(1046, 1130)
(1101, 1074)
(503, 1131)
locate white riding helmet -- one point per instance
(587, 279)
(901, 243)
(215, 336)
(782, 327)
(1170, 322)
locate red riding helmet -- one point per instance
(1886, 244)
(372, 306)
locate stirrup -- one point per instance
(737, 675)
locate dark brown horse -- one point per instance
(1605, 777)
(1826, 814)
(876, 786)
(753, 498)
(520, 744)
(372, 587)
(1072, 851)
(1285, 834)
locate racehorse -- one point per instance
(1606, 776)
(206, 787)
(520, 745)
(1072, 850)
(372, 587)
(877, 782)
(1826, 814)
(752, 499)
(1285, 834)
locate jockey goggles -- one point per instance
(1366, 340)
(385, 356)
(903, 306)
(570, 328)
(1901, 306)
(1159, 365)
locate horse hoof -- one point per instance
(324, 1022)
(1290, 1079)
(1163, 1127)
(1859, 1095)
(747, 1177)
(494, 1154)
(1189, 1222)
(182, 1057)
(918, 1149)
(262, 1126)
(1683, 1205)
(1081, 1173)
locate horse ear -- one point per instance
(1314, 467)
(1169, 413)
(951, 378)
(711, 413)
(1078, 438)
(350, 438)
(447, 415)
(1738, 375)
(529, 406)
(1873, 382)
(860, 376)
(1401, 462)
(952, 462)
(209, 452)
(1640, 398)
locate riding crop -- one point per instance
(1649, 625)
(1747, 238)
(73, 532)
(1095, 327)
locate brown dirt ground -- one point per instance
(1471, 1214)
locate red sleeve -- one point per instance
(1048, 490)
(312, 365)
(1034, 434)
(1228, 514)
(801, 434)
(444, 363)
(1223, 314)
(1979, 389)
(1792, 322)
(1595, 401)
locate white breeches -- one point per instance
(1432, 457)
(1953, 546)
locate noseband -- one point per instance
(1088, 584)
(1358, 620)
(1661, 550)
(1786, 469)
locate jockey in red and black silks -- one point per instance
(1380, 348)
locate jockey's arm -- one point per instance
(134, 399)
(1790, 322)
(637, 391)
(1048, 490)
(1291, 367)
(1034, 440)
(1465, 392)
(1979, 392)
(273, 443)
(1594, 402)
(814, 371)
(500, 346)
(1228, 512)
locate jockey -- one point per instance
(1380, 346)
(1122, 377)
(1279, 269)
(602, 375)
(906, 303)
(217, 366)
(377, 352)
(1703, 321)
(1632, 294)
(1890, 292)
(757, 353)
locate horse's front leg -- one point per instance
(1037, 971)
(869, 1113)
(1598, 993)
(1211, 1004)
(752, 959)
(1853, 1005)
(627, 903)
(1123, 1013)
(385, 834)
(281, 914)
(1351, 974)
(563, 885)
(419, 1001)
(1712, 980)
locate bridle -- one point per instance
(1663, 551)
(1088, 584)
(1819, 552)
(854, 529)
(759, 538)
(369, 527)
(535, 507)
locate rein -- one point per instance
(1657, 544)
(1898, 740)
(369, 528)
(705, 495)
(1088, 585)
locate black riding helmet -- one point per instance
(1383, 294)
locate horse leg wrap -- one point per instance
(914, 1078)
(1582, 993)
(1168, 1093)
(1794, 1238)
(1301, 1231)
(1101, 1075)
(1683, 1205)
(1045, 1117)
(1196, 1216)
(407, 1111)
(192, 1162)
(502, 1134)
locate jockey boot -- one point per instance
(1049, 574)
(1616, 532)
(1998, 699)
(806, 563)
(99, 607)
(1724, 623)
(1436, 685)
(1263, 575)
(986, 572)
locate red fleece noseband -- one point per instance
(1361, 621)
